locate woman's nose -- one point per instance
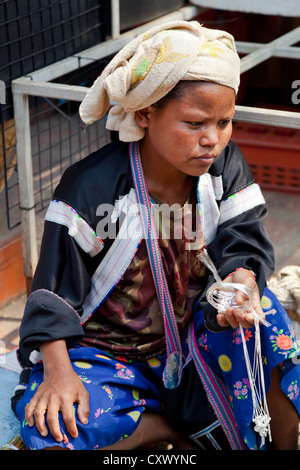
(209, 137)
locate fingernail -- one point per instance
(85, 420)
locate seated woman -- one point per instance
(118, 306)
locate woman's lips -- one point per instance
(206, 158)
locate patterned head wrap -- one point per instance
(150, 65)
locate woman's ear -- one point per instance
(142, 116)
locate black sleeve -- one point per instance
(60, 284)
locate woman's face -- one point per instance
(188, 134)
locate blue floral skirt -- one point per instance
(120, 389)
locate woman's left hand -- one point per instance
(236, 317)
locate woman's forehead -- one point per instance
(204, 95)
(205, 89)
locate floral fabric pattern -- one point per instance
(118, 395)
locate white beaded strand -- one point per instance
(221, 295)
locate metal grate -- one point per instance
(34, 34)
(59, 139)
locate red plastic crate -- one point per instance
(273, 155)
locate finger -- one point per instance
(53, 421)
(83, 409)
(29, 409)
(244, 318)
(39, 417)
(231, 317)
(257, 307)
(247, 322)
(69, 419)
(241, 297)
(221, 319)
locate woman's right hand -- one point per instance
(61, 388)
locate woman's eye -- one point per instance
(195, 123)
(224, 123)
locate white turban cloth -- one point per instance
(150, 65)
